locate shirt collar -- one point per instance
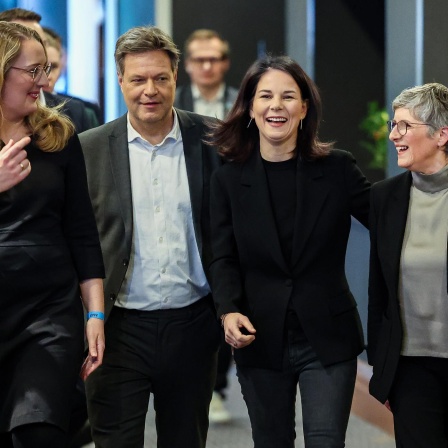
(197, 94)
(173, 135)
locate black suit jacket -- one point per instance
(249, 272)
(388, 216)
(73, 108)
(93, 110)
(108, 173)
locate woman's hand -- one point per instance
(233, 323)
(14, 166)
(95, 339)
(93, 298)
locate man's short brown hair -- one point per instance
(206, 34)
(10, 15)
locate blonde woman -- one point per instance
(49, 253)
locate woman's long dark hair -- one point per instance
(236, 141)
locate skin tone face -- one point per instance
(277, 109)
(20, 92)
(148, 85)
(416, 150)
(54, 57)
(204, 64)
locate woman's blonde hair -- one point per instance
(50, 128)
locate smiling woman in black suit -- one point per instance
(281, 212)
(408, 301)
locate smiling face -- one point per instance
(417, 151)
(20, 92)
(148, 85)
(277, 109)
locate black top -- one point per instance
(48, 244)
(282, 188)
(52, 206)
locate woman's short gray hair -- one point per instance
(145, 38)
(427, 103)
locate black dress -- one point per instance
(48, 244)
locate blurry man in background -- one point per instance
(206, 62)
(56, 55)
(53, 45)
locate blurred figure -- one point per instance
(55, 52)
(280, 213)
(25, 17)
(148, 174)
(50, 255)
(55, 58)
(207, 60)
(408, 298)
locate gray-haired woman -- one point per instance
(408, 300)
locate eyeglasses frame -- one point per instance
(201, 61)
(45, 69)
(392, 124)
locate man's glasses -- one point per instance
(403, 126)
(36, 72)
(202, 61)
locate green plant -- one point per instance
(374, 125)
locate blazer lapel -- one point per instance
(311, 194)
(255, 200)
(120, 167)
(393, 225)
(192, 143)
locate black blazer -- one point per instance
(251, 276)
(93, 110)
(108, 173)
(388, 215)
(73, 108)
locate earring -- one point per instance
(301, 124)
(250, 121)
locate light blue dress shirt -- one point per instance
(165, 269)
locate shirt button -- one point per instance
(165, 299)
(157, 209)
(161, 239)
(155, 182)
(163, 270)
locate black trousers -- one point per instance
(326, 396)
(419, 402)
(170, 353)
(34, 435)
(224, 363)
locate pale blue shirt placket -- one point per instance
(165, 269)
